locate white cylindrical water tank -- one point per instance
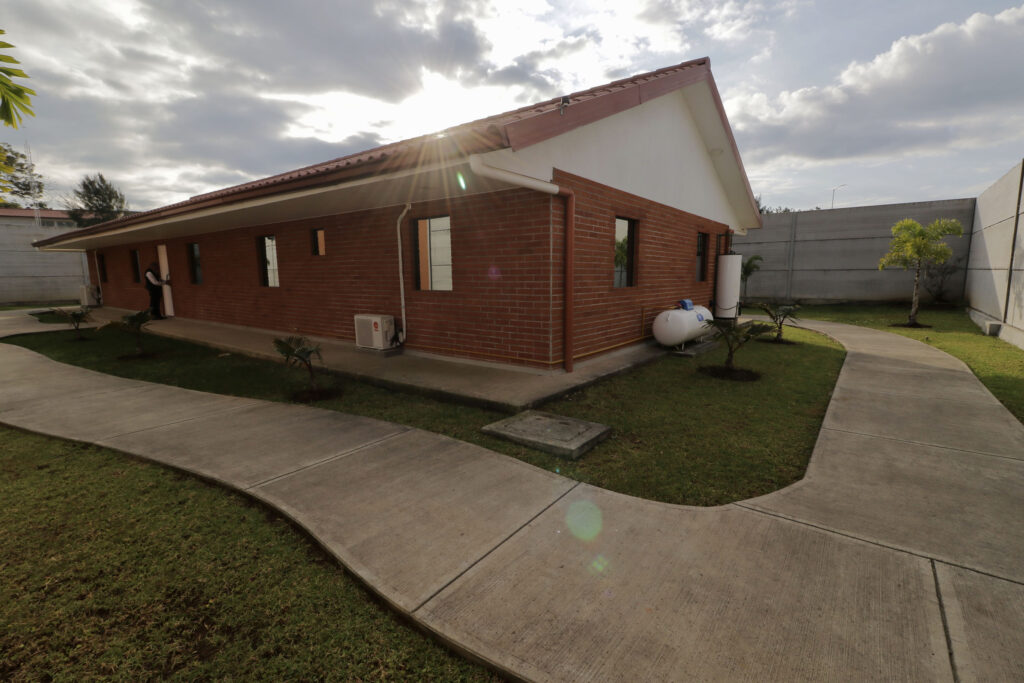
(727, 292)
(676, 326)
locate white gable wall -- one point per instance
(653, 150)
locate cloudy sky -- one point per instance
(895, 100)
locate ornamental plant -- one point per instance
(779, 314)
(300, 351)
(75, 318)
(916, 246)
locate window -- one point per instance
(195, 269)
(101, 266)
(625, 252)
(434, 246)
(268, 261)
(136, 266)
(319, 242)
(702, 256)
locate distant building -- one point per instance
(31, 276)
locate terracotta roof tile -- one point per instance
(483, 135)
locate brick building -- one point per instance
(617, 199)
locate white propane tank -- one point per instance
(727, 294)
(676, 326)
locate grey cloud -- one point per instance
(353, 45)
(526, 71)
(954, 84)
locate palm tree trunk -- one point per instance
(914, 303)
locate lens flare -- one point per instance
(462, 180)
(599, 564)
(494, 272)
(584, 520)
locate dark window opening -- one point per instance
(136, 266)
(625, 252)
(702, 256)
(434, 253)
(101, 266)
(268, 261)
(195, 269)
(319, 242)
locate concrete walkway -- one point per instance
(493, 385)
(900, 556)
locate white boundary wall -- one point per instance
(27, 275)
(831, 255)
(995, 293)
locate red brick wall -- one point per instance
(507, 256)
(497, 309)
(666, 257)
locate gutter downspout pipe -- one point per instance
(401, 268)
(477, 165)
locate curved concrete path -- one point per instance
(899, 556)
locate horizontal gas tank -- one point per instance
(676, 326)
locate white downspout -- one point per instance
(401, 269)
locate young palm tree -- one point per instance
(299, 351)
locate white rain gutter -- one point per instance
(480, 168)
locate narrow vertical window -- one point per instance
(434, 244)
(268, 261)
(702, 256)
(101, 266)
(319, 242)
(195, 269)
(625, 252)
(136, 266)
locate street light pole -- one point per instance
(834, 194)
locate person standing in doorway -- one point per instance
(154, 285)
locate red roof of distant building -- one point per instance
(30, 213)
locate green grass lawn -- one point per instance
(48, 304)
(998, 364)
(114, 568)
(685, 438)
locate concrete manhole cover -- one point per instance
(565, 436)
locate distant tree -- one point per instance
(95, 200)
(916, 246)
(14, 98)
(19, 182)
(764, 208)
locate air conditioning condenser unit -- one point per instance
(375, 331)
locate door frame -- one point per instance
(165, 274)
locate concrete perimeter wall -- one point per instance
(995, 289)
(30, 276)
(832, 255)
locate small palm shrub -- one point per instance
(779, 314)
(300, 352)
(75, 318)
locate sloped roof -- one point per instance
(512, 129)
